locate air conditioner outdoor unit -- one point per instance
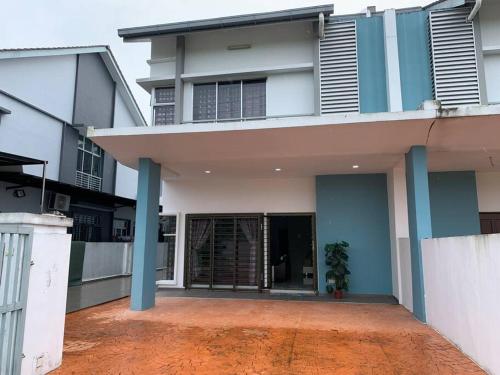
(59, 202)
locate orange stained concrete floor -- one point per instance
(235, 336)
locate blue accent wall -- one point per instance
(354, 208)
(146, 236)
(419, 220)
(371, 64)
(414, 59)
(454, 206)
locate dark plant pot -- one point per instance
(339, 294)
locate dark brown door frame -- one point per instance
(312, 215)
(187, 245)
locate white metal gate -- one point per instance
(15, 258)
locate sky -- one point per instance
(58, 23)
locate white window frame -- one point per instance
(154, 104)
(173, 282)
(216, 119)
(89, 177)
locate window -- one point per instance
(167, 235)
(121, 230)
(229, 100)
(164, 106)
(86, 228)
(89, 164)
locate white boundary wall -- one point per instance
(47, 289)
(462, 294)
(399, 231)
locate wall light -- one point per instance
(19, 193)
(355, 166)
(208, 172)
(277, 169)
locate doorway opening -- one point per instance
(291, 255)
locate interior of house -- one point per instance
(291, 249)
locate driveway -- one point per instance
(236, 336)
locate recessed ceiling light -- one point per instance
(277, 169)
(208, 172)
(355, 166)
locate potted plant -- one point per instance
(337, 258)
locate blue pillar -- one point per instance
(419, 218)
(146, 236)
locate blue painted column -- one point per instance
(419, 218)
(146, 236)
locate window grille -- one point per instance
(233, 100)
(164, 106)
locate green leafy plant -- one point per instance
(337, 258)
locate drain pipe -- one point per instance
(474, 10)
(321, 26)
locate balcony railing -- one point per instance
(88, 181)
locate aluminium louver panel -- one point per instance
(454, 58)
(339, 68)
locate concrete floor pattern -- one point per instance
(227, 336)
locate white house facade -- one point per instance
(275, 134)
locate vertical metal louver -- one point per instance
(454, 60)
(339, 68)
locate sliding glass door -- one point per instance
(223, 251)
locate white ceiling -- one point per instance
(467, 143)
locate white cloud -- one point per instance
(42, 23)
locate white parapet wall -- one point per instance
(462, 294)
(45, 310)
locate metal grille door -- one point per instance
(454, 58)
(15, 252)
(223, 251)
(339, 68)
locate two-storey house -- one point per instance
(277, 133)
(50, 96)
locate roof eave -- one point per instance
(292, 15)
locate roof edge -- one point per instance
(288, 15)
(109, 60)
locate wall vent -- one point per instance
(454, 62)
(339, 68)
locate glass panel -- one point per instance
(247, 244)
(166, 259)
(229, 101)
(87, 162)
(167, 226)
(96, 149)
(204, 102)
(199, 240)
(165, 95)
(96, 166)
(88, 144)
(79, 161)
(81, 141)
(164, 115)
(224, 252)
(254, 99)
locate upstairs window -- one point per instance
(89, 164)
(164, 106)
(233, 100)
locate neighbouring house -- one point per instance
(274, 134)
(49, 97)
